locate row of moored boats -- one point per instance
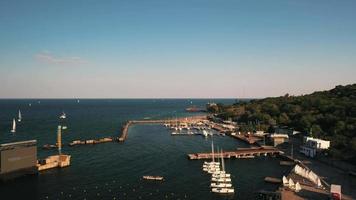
(220, 180)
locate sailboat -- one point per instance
(223, 190)
(63, 116)
(20, 117)
(13, 130)
(213, 156)
(205, 133)
(221, 182)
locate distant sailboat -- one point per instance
(13, 126)
(63, 116)
(20, 117)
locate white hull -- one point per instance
(221, 179)
(221, 185)
(212, 170)
(13, 130)
(211, 163)
(223, 190)
(221, 175)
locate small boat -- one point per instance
(20, 117)
(223, 190)
(205, 133)
(13, 130)
(155, 178)
(273, 180)
(221, 179)
(219, 172)
(211, 163)
(63, 116)
(211, 166)
(221, 185)
(49, 146)
(221, 175)
(211, 169)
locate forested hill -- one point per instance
(327, 114)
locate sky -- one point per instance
(175, 49)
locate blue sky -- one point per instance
(164, 48)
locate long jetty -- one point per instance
(126, 126)
(239, 153)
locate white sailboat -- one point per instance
(205, 133)
(213, 156)
(221, 181)
(13, 130)
(221, 175)
(63, 116)
(221, 185)
(223, 190)
(20, 117)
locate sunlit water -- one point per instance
(114, 170)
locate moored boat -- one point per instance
(221, 185)
(13, 130)
(223, 190)
(156, 178)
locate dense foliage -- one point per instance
(329, 115)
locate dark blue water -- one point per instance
(114, 170)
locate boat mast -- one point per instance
(222, 161)
(212, 150)
(59, 139)
(20, 117)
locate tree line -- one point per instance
(329, 115)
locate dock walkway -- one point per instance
(240, 153)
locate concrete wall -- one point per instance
(18, 158)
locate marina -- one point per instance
(167, 122)
(157, 135)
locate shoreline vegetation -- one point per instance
(329, 115)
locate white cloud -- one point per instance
(47, 57)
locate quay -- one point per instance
(239, 153)
(249, 139)
(126, 126)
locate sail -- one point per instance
(297, 187)
(20, 116)
(13, 126)
(222, 161)
(285, 181)
(212, 150)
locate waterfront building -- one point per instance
(313, 145)
(308, 151)
(278, 138)
(17, 159)
(316, 143)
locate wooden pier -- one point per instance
(126, 126)
(239, 153)
(249, 139)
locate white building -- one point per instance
(308, 151)
(316, 143)
(278, 138)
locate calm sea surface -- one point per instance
(114, 170)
